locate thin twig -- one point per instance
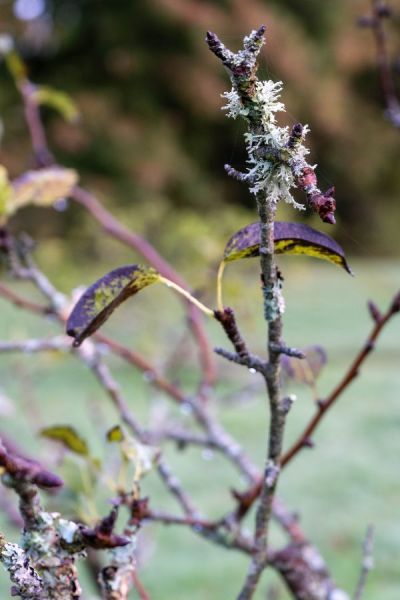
(350, 375)
(380, 12)
(150, 254)
(367, 563)
(110, 224)
(247, 498)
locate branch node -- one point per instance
(374, 311)
(282, 349)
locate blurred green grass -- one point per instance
(348, 481)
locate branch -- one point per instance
(110, 224)
(367, 563)
(353, 371)
(27, 582)
(217, 437)
(247, 498)
(143, 247)
(250, 103)
(375, 22)
(57, 343)
(306, 574)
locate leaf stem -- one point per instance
(220, 273)
(171, 284)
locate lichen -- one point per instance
(270, 158)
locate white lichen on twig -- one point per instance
(270, 156)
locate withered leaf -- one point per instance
(42, 187)
(68, 436)
(289, 238)
(100, 300)
(305, 370)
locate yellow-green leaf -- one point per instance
(59, 101)
(68, 436)
(15, 65)
(101, 299)
(289, 238)
(42, 187)
(5, 194)
(115, 434)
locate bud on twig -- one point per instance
(374, 311)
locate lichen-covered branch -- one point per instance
(277, 164)
(270, 181)
(27, 582)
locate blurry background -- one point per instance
(151, 143)
(152, 140)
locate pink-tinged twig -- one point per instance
(247, 498)
(352, 372)
(117, 230)
(21, 302)
(375, 21)
(114, 228)
(223, 532)
(139, 587)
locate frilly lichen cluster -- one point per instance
(270, 156)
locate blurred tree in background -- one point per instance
(151, 141)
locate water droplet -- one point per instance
(28, 10)
(149, 376)
(61, 204)
(207, 454)
(252, 371)
(186, 408)
(103, 349)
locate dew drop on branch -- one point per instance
(61, 204)
(207, 454)
(186, 408)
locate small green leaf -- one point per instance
(5, 194)
(59, 101)
(115, 434)
(68, 436)
(101, 299)
(289, 238)
(15, 65)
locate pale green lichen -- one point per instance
(274, 302)
(270, 159)
(27, 581)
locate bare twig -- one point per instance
(58, 343)
(375, 21)
(247, 498)
(350, 375)
(367, 563)
(110, 224)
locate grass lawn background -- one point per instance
(350, 479)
